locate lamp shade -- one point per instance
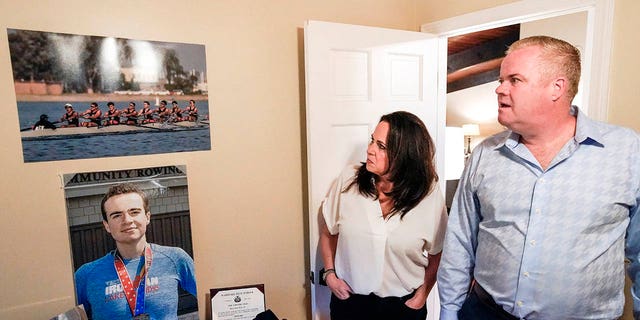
(471, 129)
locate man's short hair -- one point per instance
(123, 188)
(558, 58)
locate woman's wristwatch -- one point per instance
(326, 273)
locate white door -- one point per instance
(355, 74)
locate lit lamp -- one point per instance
(469, 130)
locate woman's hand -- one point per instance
(420, 297)
(338, 286)
(418, 300)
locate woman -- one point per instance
(382, 226)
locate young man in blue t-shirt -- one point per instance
(137, 280)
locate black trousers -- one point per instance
(479, 305)
(372, 307)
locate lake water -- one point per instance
(115, 145)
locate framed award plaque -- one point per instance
(237, 303)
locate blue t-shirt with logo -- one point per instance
(99, 290)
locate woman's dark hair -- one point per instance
(410, 152)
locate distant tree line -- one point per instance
(32, 56)
(177, 78)
(37, 56)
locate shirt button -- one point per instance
(520, 303)
(538, 211)
(526, 274)
(533, 242)
(541, 180)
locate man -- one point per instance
(192, 111)
(113, 114)
(94, 115)
(137, 279)
(538, 223)
(176, 112)
(131, 114)
(70, 117)
(147, 113)
(163, 112)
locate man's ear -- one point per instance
(148, 214)
(559, 87)
(106, 226)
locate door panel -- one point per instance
(355, 74)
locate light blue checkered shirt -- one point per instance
(547, 244)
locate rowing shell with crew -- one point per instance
(81, 132)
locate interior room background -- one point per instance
(247, 195)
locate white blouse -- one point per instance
(386, 257)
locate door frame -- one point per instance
(379, 45)
(596, 56)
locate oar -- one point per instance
(139, 119)
(150, 125)
(99, 125)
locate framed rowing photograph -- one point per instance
(131, 247)
(81, 96)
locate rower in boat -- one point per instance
(113, 115)
(176, 113)
(70, 117)
(147, 113)
(163, 112)
(43, 123)
(192, 111)
(131, 114)
(94, 115)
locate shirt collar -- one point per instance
(586, 128)
(586, 131)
